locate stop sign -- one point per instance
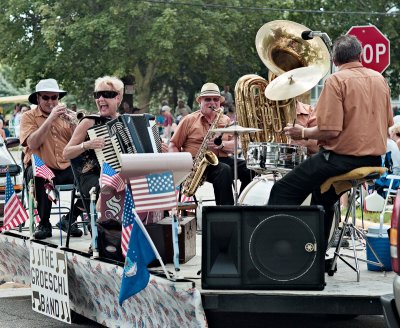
(376, 47)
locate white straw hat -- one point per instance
(49, 85)
(210, 89)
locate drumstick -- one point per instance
(294, 121)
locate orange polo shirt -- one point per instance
(355, 101)
(192, 130)
(304, 118)
(52, 149)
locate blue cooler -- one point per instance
(381, 245)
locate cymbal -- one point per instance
(293, 83)
(236, 129)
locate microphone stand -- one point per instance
(235, 166)
(328, 43)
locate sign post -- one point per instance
(376, 47)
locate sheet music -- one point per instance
(134, 165)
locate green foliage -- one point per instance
(168, 47)
(370, 216)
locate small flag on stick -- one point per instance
(40, 169)
(14, 212)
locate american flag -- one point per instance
(40, 169)
(14, 212)
(154, 192)
(184, 198)
(127, 221)
(36, 216)
(111, 178)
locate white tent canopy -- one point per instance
(14, 99)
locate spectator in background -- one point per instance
(16, 120)
(160, 122)
(2, 132)
(126, 108)
(25, 108)
(181, 111)
(168, 120)
(231, 114)
(396, 114)
(394, 133)
(228, 103)
(74, 108)
(6, 129)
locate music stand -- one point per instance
(235, 130)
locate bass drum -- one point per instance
(257, 191)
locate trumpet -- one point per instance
(68, 116)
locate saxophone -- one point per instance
(203, 158)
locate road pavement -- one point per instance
(16, 312)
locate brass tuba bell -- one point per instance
(281, 48)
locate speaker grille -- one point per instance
(279, 253)
(263, 247)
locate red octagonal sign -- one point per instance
(376, 47)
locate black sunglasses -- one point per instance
(105, 94)
(46, 98)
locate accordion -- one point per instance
(127, 134)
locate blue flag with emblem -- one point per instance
(139, 254)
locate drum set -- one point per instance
(269, 160)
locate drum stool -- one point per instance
(351, 181)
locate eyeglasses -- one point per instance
(105, 94)
(211, 99)
(46, 98)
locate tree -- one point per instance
(169, 45)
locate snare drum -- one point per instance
(265, 157)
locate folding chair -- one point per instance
(59, 210)
(76, 166)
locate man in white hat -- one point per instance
(45, 133)
(190, 134)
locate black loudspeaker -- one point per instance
(263, 247)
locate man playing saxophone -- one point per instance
(190, 134)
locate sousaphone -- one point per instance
(281, 49)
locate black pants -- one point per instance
(43, 202)
(307, 178)
(222, 175)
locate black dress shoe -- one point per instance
(43, 231)
(63, 225)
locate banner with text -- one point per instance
(49, 284)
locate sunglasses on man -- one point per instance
(105, 94)
(46, 98)
(216, 99)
